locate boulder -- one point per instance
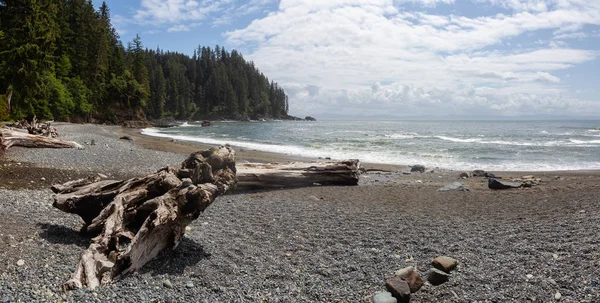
(454, 186)
(384, 297)
(205, 123)
(464, 175)
(444, 263)
(414, 280)
(399, 289)
(309, 118)
(437, 277)
(417, 168)
(501, 184)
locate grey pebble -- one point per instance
(167, 283)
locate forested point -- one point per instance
(63, 60)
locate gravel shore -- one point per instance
(318, 244)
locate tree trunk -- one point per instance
(137, 218)
(257, 175)
(8, 100)
(10, 138)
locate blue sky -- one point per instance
(475, 58)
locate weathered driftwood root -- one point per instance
(37, 128)
(251, 175)
(137, 218)
(10, 138)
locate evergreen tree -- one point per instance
(62, 59)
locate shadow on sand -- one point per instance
(188, 253)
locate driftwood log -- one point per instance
(133, 220)
(9, 137)
(264, 175)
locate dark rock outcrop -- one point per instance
(309, 118)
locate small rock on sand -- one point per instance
(414, 280)
(500, 184)
(417, 168)
(384, 297)
(437, 277)
(455, 186)
(399, 289)
(444, 263)
(167, 283)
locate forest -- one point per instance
(63, 60)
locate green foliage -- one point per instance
(62, 59)
(80, 94)
(59, 99)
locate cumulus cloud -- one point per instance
(442, 63)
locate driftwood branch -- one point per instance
(9, 138)
(135, 219)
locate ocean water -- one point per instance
(458, 145)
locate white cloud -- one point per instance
(428, 62)
(178, 28)
(173, 12)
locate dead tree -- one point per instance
(135, 219)
(9, 137)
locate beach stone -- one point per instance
(185, 182)
(557, 295)
(437, 277)
(167, 283)
(384, 297)
(414, 280)
(399, 289)
(454, 186)
(6, 299)
(20, 262)
(418, 168)
(444, 263)
(481, 173)
(128, 138)
(464, 175)
(478, 173)
(101, 175)
(189, 284)
(500, 184)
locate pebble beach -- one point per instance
(315, 244)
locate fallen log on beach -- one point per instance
(133, 220)
(9, 138)
(265, 175)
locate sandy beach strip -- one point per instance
(317, 244)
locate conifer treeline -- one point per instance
(63, 60)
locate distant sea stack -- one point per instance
(309, 118)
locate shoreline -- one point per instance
(187, 147)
